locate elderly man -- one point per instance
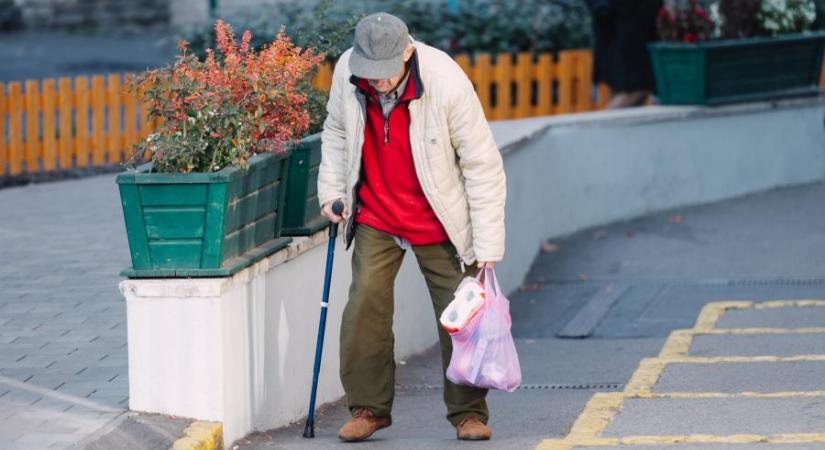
(407, 149)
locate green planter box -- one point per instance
(302, 216)
(203, 224)
(738, 70)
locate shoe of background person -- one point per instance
(362, 425)
(473, 429)
(628, 99)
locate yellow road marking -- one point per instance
(596, 415)
(716, 331)
(677, 344)
(603, 407)
(698, 395)
(789, 438)
(712, 312)
(646, 375)
(788, 304)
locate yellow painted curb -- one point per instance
(201, 436)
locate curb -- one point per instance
(201, 436)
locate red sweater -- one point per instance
(390, 195)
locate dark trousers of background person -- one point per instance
(621, 31)
(367, 341)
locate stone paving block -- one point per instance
(18, 374)
(718, 416)
(32, 361)
(739, 377)
(792, 317)
(787, 344)
(44, 440)
(80, 388)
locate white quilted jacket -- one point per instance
(456, 159)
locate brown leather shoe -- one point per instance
(362, 425)
(473, 429)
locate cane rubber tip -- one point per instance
(309, 431)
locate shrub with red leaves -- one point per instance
(217, 112)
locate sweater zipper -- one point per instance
(387, 129)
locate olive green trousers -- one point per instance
(367, 360)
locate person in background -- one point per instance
(621, 31)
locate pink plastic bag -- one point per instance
(484, 354)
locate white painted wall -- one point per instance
(240, 350)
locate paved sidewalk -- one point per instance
(63, 362)
(625, 288)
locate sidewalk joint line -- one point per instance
(79, 401)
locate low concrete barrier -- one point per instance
(239, 350)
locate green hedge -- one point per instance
(477, 25)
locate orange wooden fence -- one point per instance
(513, 86)
(68, 123)
(91, 122)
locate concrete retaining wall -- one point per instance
(239, 350)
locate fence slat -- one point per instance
(503, 74)
(98, 138)
(15, 127)
(3, 112)
(584, 73)
(49, 156)
(524, 85)
(544, 75)
(113, 102)
(64, 136)
(32, 96)
(565, 84)
(81, 142)
(482, 80)
(323, 78)
(130, 136)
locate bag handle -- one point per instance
(489, 275)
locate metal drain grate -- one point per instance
(583, 387)
(529, 387)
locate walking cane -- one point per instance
(309, 429)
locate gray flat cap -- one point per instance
(378, 50)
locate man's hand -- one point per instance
(486, 264)
(326, 211)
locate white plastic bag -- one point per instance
(484, 354)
